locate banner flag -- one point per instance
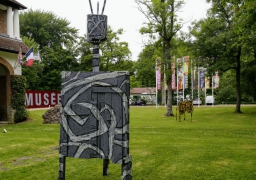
(179, 75)
(185, 71)
(185, 65)
(37, 56)
(194, 78)
(20, 57)
(30, 57)
(158, 76)
(202, 83)
(180, 80)
(207, 83)
(173, 76)
(185, 81)
(216, 80)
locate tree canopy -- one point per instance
(61, 49)
(162, 25)
(221, 42)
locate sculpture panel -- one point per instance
(95, 118)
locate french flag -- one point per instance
(30, 57)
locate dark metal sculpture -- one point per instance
(95, 110)
(95, 118)
(96, 33)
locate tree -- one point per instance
(85, 52)
(246, 19)
(162, 20)
(221, 42)
(114, 55)
(56, 41)
(145, 67)
(47, 29)
(60, 50)
(33, 73)
(226, 92)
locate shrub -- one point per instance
(18, 84)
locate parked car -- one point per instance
(197, 102)
(140, 102)
(209, 100)
(131, 102)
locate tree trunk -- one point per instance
(238, 88)
(169, 99)
(168, 65)
(163, 93)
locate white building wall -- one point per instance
(13, 60)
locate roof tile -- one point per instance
(145, 90)
(12, 45)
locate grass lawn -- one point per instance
(218, 144)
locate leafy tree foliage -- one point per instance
(162, 24)
(114, 52)
(226, 92)
(56, 42)
(61, 49)
(34, 72)
(114, 55)
(247, 26)
(221, 41)
(85, 52)
(46, 28)
(145, 67)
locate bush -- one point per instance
(20, 115)
(18, 85)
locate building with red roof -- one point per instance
(146, 93)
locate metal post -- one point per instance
(156, 83)
(183, 78)
(177, 83)
(91, 6)
(103, 7)
(96, 57)
(98, 8)
(198, 81)
(212, 92)
(192, 79)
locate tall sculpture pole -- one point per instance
(96, 33)
(94, 110)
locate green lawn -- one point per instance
(218, 144)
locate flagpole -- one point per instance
(156, 83)
(177, 83)
(192, 83)
(212, 93)
(204, 89)
(198, 85)
(29, 50)
(164, 87)
(183, 77)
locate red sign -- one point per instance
(42, 99)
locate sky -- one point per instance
(121, 14)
